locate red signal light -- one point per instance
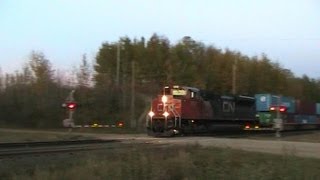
(283, 109)
(71, 105)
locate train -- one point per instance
(182, 110)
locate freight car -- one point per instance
(295, 114)
(181, 109)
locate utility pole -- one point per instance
(278, 121)
(132, 112)
(234, 76)
(120, 90)
(118, 64)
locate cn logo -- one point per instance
(228, 106)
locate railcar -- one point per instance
(182, 109)
(294, 114)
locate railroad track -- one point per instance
(51, 147)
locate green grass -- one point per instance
(25, 135)
(28, 136)
(157, 163)
(110, 130)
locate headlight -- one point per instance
(166, 114)
(151, 114)
(164, 99)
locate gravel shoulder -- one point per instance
(301, 149)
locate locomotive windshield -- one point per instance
(179, 92)
(175, 91)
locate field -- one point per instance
(11, 135)
(149, 161)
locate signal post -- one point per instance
(278, 122)
(71, 106)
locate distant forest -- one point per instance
(125, 76)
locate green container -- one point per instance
(266, 118)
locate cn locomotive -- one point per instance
(182, 109)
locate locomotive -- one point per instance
(182, 109)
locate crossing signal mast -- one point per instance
(71, 105)
(278, 121)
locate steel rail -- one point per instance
(33, 148)
(54, 143)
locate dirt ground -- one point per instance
(275, 146)
(301, 149)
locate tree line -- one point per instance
(126, 74)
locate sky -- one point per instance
(287, 31)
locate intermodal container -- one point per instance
(289, 118)
(289, 103)
(305, 107)
(265, 101)
(318, 108)
(305, 119)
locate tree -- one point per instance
(42, 72)
(84, 92)
(84, 74)
(46, 96)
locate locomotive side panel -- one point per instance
(245, 108)
(190, 109)
(196, 109)
(230, 108)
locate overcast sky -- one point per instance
(288, 31)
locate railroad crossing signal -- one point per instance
(71, 105)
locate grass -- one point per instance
(28, 136)
(157, 163)
(25, 135)
(111, 130)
